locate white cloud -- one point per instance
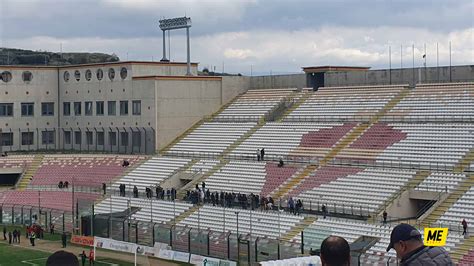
(283, 51)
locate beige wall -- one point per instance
(182, 102)
(233, 86)
(140, 70)
(42, 88)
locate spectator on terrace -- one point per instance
(291, 205)
(4, 233)
(324, 210)
(258, 154)
(168, 194)
(407, 242)
(281, 163)
(335, 251)
(125, 163)
(51, 228)
(4, 154)
(60, 185)
(10, 238)
(464, 227)
(104, 188)
(135, 192)
(299, 206)
(384, 216)
(262, 153)
(66, 184)
(203, 185)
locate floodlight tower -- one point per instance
(174, 24)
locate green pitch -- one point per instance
(12, 256)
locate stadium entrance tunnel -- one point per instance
(9, 177)
(413, 204)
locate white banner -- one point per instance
(196, 259)
(166, 254)
(146, 250)
(227, 263)
(181, 256)
(206, 261)
(115, 245)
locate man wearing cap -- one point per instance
(407, 242)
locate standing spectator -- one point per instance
(281, 163)
(135, 192)
(10, 238)
(291, 205)
(464, 227)
(104, 188)
(168, 194)
(385, 216)
(14, 236)
(66, 184)
(91, 257)
(258, 155)
(262, 153)
(4, 233)
(64, 239)
(324, 211)
(299, 206)
(83, 257)
(203, 186)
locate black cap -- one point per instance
(403, 232)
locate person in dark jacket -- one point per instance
(4, 233)
(407, 242)
(464, 227)
(64, 239)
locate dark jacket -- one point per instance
(427, 256)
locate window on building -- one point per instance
(27, 109)
(111, 108)
(27, 76)
(77, 137)
(136, 139)
(100, 138)
(6, 139)
(88, 108)
(66, 76)
(6, 76)
(27, 138)
(124, 138)
(66, 108)
(89, 138)
(47, 109)
(6, 109)
(100, 74)
(67, 137)
(113, 138)
(47, 137)
(77, 75)
(77, 108)
(123, 107)
(123, 73)
(99, 108)
(88, 75)
(137, 107)
(111, 73)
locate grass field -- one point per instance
(13, 255)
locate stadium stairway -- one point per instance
(127, 171)
(184, 215)
(299, 100)
(293, 181)
(462, 249)
(299, 227)
(462, 188)
(465, 162)
(30, 172)
(245, 136)
(419, 177)
(182, 191)
(390, 105)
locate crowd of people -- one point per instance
(64, 184)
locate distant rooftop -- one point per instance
(319, 69)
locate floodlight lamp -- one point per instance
(175, 23)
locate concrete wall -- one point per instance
(400, 76)
(171, 69)
(233, 86)
(181, 102)
(42, 88)
(278, 81)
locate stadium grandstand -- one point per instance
(235, 168)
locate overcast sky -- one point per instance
(276, 36)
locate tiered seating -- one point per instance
(264, 224)
(83, 170)
(253, 105)
(367, 189)
(463, 208)
(152, 172)
(259, 178)
(16, 161)
(440, 181)
(211, 138)
(202, 166)
(293, 139)
(58, 200)
(430, 144)
(436, 102)
(162, 211)
(344, 103)
(351, 230)
(468, 259)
